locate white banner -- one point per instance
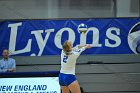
(30, 85)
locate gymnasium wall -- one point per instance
(44, 9)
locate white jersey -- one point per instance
(68, 62)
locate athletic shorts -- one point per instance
(66, 79)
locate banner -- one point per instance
(45, 37)
(30, 85)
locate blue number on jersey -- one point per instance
(65, 59)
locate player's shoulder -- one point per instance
(76, 48)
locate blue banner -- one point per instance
(45, 37)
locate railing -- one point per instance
(30, 74)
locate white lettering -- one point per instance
(113, 37)
(95, 38)
(12, 43)
(58, 36)
(41, 43)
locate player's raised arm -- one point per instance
(85, 46)
(79, 49)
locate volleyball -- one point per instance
(82, 28)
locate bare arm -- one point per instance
(11, 70)
(86, 46)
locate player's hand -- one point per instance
(10, 70)
(88, 46)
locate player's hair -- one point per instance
(66, 44)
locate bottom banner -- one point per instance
(30, 85)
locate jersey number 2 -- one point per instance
(65, 59)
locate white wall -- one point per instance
(42, 9)
(23, 9)
(128, 8)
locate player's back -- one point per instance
(68, 62)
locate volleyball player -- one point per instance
(67, 79)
